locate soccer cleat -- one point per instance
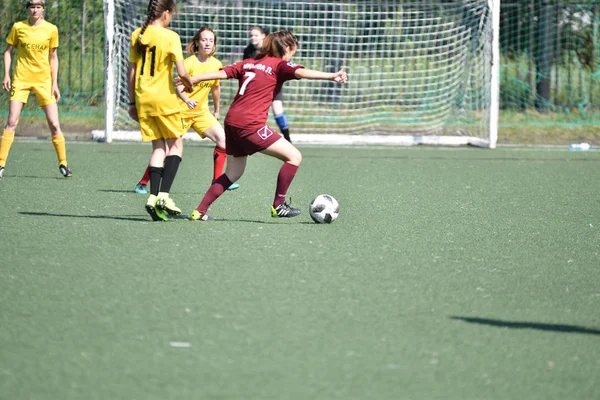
(233, 186)
(284, 210)
(198, 216)
(65, 171)
(140, 188)
(155, 213)
(167, 204)
(1, 172)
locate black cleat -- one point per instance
(65, 171)
(284, 210)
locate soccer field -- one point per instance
(450, 274)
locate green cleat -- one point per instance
(167, 204)
(154, 211)
(198, 216)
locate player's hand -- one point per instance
(191, 104)
(217, 115)
(133, 113)
(6, 84)
(187, 86)
(56, 93)
(340, 76)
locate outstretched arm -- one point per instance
(209, 76)
(339, 77)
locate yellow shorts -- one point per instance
(43, 92)
(200, 122)
(161, 127)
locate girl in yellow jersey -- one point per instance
(36, 41)
(194, 105)
(153, 101)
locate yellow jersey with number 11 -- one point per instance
(154, 88)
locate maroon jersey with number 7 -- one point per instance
(259, 81)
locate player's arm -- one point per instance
(184, 77)
(339, 77)
(54, 72)
(184, 97)
(7, 61)
(216, 96)
(209, 76)
(131, 90)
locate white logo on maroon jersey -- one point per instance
(264, 132)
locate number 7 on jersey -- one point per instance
(248, 76)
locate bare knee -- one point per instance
(295, 157)
(11, 123)
(54, 127)
(175, 147)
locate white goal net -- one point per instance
(419, 71)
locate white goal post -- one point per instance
(420, 72)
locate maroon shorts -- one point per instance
(241, 142)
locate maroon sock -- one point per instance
(214, 191)
(284, 180)
(219, 157)
(146, 178)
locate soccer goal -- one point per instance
(420, 72)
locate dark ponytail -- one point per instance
(155, 9)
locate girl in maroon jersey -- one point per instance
(246, 131)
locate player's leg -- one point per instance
(291, 157)
(234, 170)
(279, 114)
(216, 133)
(155, 168)
(48, 103)
(172, 130)
(151, 133)
(8, 135)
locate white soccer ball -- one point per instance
(324, 209)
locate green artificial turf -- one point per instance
(449, 274)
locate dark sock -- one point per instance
(284, 180)
(286, 134)
(170, 170)
(155, 178)
(214, 191)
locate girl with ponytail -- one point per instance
(153, 101)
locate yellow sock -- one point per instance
(61, 151)
(7, 140)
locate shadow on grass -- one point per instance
(116, 191)
(45, 214)
(35, 177)
(529, 325)
(132, 191)
(262, 222)
(171, 218)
